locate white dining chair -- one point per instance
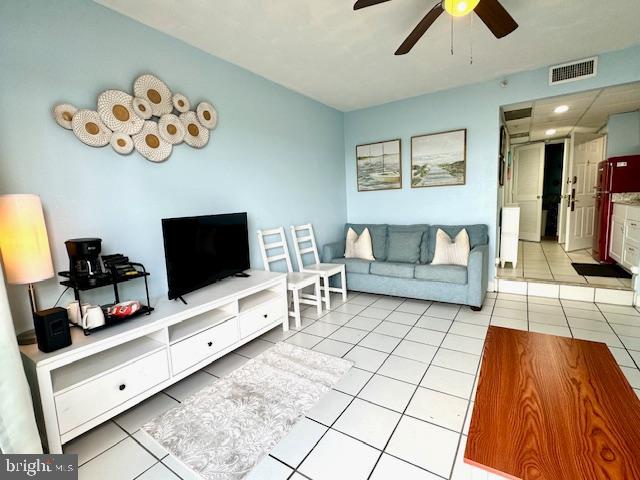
(296, 281)
(303, 235)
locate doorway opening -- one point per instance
(549, 164)
(552, 190)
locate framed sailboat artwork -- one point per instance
(379, 166)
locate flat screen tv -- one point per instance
(202, 250)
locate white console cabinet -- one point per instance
(101, 375)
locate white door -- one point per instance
(528, 179)
(563, 209)
(587, 150)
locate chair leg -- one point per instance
(343, 284)
(318, 294)
(327, 293)
(296, 308)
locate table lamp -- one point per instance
(24, 247)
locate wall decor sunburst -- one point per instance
(150, 120)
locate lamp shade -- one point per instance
(23, 239)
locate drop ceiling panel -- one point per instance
(588, 111)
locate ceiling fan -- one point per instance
(491, 12)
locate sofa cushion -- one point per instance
(478, 235)
(424, 228)
(378, 237)
(353, 265)
(392, 269)
(442, 273)
(404, 246)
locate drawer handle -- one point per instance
(633, 224)
(122, 387)
(265, 315)
(631, 249)
(210, 344)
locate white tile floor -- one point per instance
(548, 261)
(402, 412)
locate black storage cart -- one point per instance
(111, 278)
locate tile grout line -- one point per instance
(108, 448)
(352, 400)
(411, 399)
(475, 387)
(624, 345)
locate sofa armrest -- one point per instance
(478, 275)
(333, 250)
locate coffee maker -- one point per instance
(85, 266)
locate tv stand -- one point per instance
(100, 376)
(181, 299)
(242, 275)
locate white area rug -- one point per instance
(225, 429)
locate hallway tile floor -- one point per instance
(548, 261)
(402, 412)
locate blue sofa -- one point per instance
(403, 267)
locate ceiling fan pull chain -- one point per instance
(451, 34)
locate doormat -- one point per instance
(225, 429)
(596, 270)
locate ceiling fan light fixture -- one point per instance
(551, 131)
(460, 8)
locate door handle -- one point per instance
(538, 197)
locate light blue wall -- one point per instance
(276, 154)
(623, 134)
(474, 107)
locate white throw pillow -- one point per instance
(450, 252)
(359, 246)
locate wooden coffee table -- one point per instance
(553, 408)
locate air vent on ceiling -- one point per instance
(573, 71)
(511, 115)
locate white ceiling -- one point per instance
(325, 50)
(588, 112)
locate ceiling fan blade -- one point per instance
(367, 3)
(420, 29)
(496, 18)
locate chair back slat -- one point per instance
(306, 236)
(280, 243)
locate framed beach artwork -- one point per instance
(379, 166)
(439, 159)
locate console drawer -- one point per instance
(79, 405)
(260, 316)
(192, 350)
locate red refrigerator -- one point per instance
(615, 175)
